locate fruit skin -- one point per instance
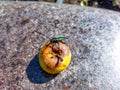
(64, 64)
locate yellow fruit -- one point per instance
(54, 57)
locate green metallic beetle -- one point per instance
(56, 39)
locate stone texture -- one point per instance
(92, 34)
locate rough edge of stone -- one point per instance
(50, 3)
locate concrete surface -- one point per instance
(92, 34)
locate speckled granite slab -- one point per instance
(92, 34)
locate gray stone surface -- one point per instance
(92, 34)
